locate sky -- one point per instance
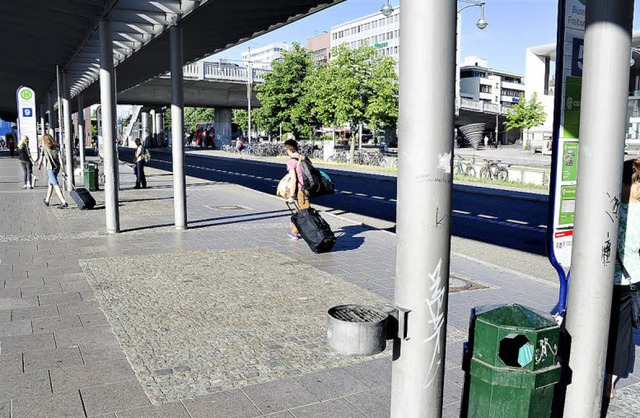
(514, 26)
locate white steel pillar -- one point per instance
(52, 114)
(68, 140)
(177, 128)
(108, 109)
(159, 128)
(427, 30)
(607, 47)
(144, 124)
(81, 133)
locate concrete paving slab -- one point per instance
(5, 409)
(18, 327)
(49, 359)
(279, 395)
(47, 311)
(229, 404)
(11, 363)
(102, 351)
(59, 298)
(113, 397)
(88, 375)
(16, 303)
(375, 403)
(57, 405)
(41, 290)
(338, 408)
(72, 337)
(55, 323)
(169, 410)
(24, 343)
(329, 384)
(15, 385)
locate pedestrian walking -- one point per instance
(11, 145)
(239, 146)
(24, 155)
(52, 158)
(297, 195)
(621, 350)
(139, 161)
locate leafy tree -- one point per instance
(193, 115)
(357, 86)
(241, 117)
(284, 94)
(525, 114)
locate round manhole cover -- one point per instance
(457, 284)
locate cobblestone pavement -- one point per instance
(225, 319)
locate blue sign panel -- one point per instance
(27, 112)
(576, 57)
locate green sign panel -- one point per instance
(567, 205)
(572, 101)
(570, 161)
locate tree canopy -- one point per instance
(526, 114)
(357, 86)
(284, 94)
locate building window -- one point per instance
(485, 89)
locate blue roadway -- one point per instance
(514, 220)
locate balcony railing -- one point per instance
(220, 71)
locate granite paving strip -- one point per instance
(190, 324)
(229, 404)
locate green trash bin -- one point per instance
(513, 368)
(91, 173)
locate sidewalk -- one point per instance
(226, 319)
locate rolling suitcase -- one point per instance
(82, 198)
(314, 230)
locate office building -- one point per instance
(264, 56)
(478, 82)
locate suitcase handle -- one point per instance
(294, 204)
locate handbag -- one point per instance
(634, 294)
(284, 187)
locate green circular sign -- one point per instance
(26, 94)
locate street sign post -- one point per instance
(566, 138)
(27, 121)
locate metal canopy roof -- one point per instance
(38, 35)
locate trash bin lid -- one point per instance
(516, 316)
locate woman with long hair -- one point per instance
(52, 157)
(621, 350)
(24, 155)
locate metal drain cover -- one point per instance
(227, 207)
(458, 284)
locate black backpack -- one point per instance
(315, 182)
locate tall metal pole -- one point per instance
(108, 109)
(177, 128)
(81, 134)
(427, 30)
(607, 44)
(59, 91)
(249, 86)
(68, 141)
(52, 114)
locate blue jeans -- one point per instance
(53, 176)
(141, 180)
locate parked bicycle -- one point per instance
(495, 144)
(492, 170)
(465, 167)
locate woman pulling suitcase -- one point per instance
(306, 222)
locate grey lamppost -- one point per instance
(480, 24)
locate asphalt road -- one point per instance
(515, 220)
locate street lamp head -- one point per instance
(386, 9)
(482, 22)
